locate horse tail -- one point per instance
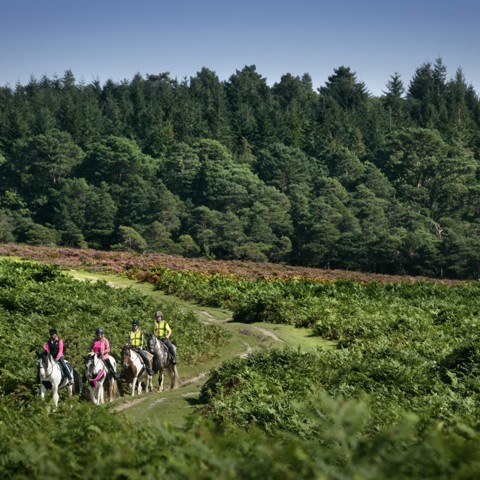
(114, 389)
(177, 381)
(78, 383)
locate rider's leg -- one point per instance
(144, 356)
(65, 369)
(171, 349)
(109, 365)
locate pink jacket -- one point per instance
(101, 346)
(60, 349)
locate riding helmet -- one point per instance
(52, 331)
(159, 314)
(135, 322)
(99, 331)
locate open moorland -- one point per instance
(328, 375)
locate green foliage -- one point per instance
(35, 297)
(398, 399)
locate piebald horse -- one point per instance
(162, 361)
(99, 378)
(51, 377)
(134, 370)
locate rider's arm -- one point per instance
(60, 350)
(105, 346)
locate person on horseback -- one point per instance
(54, 346)
(101, 347)
(163, 331)
(136, 340)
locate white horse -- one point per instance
(134, 370)
(162, 361)
(51, 376)
(99, 378)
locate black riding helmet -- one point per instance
(52, 331)
(135, 322)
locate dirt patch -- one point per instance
(156, 402)
(124, 406)
(267, 333)
(195, 379)
(247, 352)
(261, 335)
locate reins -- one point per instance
(94, 380)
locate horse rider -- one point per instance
(163, 331)
(136, 340)
(101, 346)
(54, 346)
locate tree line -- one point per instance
(238, 169)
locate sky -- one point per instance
(116, 39)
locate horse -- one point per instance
(134, 370)
(99, 378)
(52, 377)
(162, 361)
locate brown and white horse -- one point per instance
(134, 370)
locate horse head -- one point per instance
(93, 365)
(126, 356)
(44, 361)
(154, 345)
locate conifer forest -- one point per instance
(330, 177)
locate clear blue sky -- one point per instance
(115, 39)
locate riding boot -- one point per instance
(114, 373)
(66, 371)
(147, 364)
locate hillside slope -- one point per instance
(119, 262)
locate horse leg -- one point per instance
(92, 394)
(42, 391)
(55, 395)
(134, 384)
(160, 381)
(139, 386)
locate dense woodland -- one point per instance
(330, 177)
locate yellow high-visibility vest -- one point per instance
(162, 329)
(136, 338)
